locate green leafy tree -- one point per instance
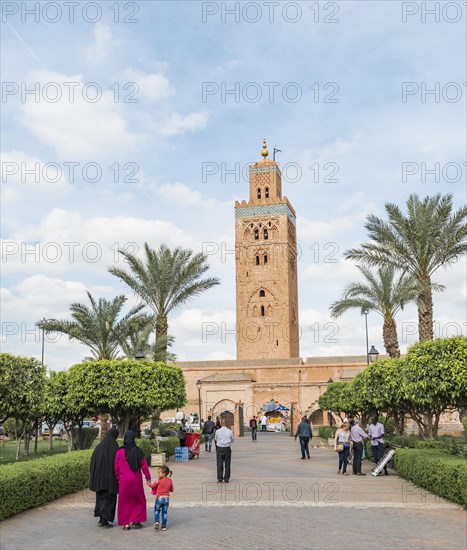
(128, 390)
(165, 280)
(433, 380)
(379, 389)
(383, 293)
(428, 237)
(100, 327)
(22, 388)
(337, 399)
(53, 407)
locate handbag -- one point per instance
(339, 447)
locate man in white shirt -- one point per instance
(264, 422)
(224, 438)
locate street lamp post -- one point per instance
(373, 355)
(198, 385)
(44, 320)
(365, 312)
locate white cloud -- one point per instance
(80, 128)
(178, 124)
(103, 43)
(23, 174)
(153, 87)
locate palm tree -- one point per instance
(99, 326)
(165, 280)
(383, 294)
(428, 237)
(137, 341)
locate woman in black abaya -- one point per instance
(103, 480)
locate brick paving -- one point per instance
(274, 500)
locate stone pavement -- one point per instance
(274, 500)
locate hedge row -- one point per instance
(327, 431)
(29, 484)
(435, 471)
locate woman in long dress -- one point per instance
(129, 463)
(103, 480)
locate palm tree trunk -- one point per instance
(425, 315)
(391, 342)
(162, 327)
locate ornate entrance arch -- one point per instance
(225, 409)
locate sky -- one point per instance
(133, 122)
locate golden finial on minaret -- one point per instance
(265, 151)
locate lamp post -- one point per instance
(373, 355)
(198, 385)
(365, 312)
(44, 320)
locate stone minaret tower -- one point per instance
(266, 268)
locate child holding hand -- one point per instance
(162, 489)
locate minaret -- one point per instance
(266, 267)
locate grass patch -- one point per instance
(8, 450)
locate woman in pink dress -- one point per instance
(129, 461)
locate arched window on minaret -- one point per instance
(256, 234)
(257, 260)
(258, 193)
(265, 258)
(262, 311)
(265, 234)
(266, 192)
(262, 293)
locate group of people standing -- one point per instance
(349, 438)
(119, 471)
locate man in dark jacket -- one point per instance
(304, 433)
(208, 431)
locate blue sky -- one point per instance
(170, 133)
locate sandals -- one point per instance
(126, 527)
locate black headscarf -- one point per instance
(133, 454)
(102, 472)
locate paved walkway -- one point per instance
(274, 500)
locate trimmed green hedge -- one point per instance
(29, 484)
(435, 471)
(327, 431)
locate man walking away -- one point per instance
(224, 438)
(264, 422)
(357, 435)
(208, 431)
(304, 433)
(254, 428)
(376, 433)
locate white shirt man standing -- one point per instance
(264, 422)
(224, 438)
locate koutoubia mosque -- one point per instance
(268, 367)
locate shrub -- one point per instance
(430, 445)
(29, 484)
(147, 446)
(84, 438)
(435, 471)
(409, 441)
(327, 431)
(167, 429)
(169, 445)
(464, 423)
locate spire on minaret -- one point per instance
(265, 151)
